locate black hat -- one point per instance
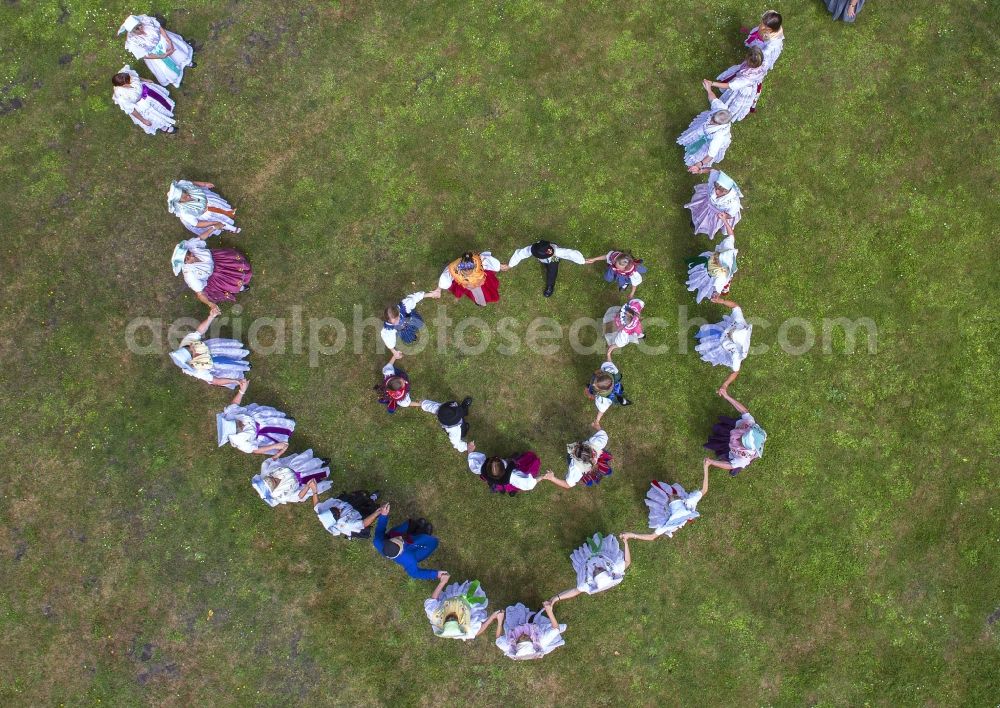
(449, 414)
(542, 249)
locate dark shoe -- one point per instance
(467, 401)
(193, 65)
(625, 402)
(547, 292)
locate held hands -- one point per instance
(472, 446)
(383, 510)
(504, 267)
(434, 294)
(443, 575)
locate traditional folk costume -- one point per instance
(549, 255)
(605, 398)
(727, 342)
(738, 441)
(623, 277)
(144, 38)
(281, 480)
(528, 635)
(417, 545)
(345, 514)
(400, 398)
(220, 273)
(149, 100)
(839, 9)
(618, 329)
(410, 322)
(745, 83)
(769, 45)
(590, 464)
(192, 203)
(707, 207)
(208, 359)
(520, 472)
(250, 427)
(599, 564)
(671, 507)
(475, 278)
(703, 138)
(458, 612)
(712, 273)
(451, 416)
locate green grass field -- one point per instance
(366, 144)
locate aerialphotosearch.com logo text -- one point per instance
(320, 337)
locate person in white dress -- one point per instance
(739, 84)
(708, 137)
(458, 611)
(716, 205)
(623, 325)
(586, 461)
(769, 37)
(523, 635)
(725, 343)
(670, 508)
(711, 274)
(216, 361)
(291, 479)
(254, 429)
(600, 564)
(549, 255)
(202, 211)
(350, 514)
(148, 104)
(402, 321)
(166, 53)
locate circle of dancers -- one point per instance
(460, 610)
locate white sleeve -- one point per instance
(193, 244)
(635, 278)
(445, 281)
(598, 440)
(569, 254)
(602, 403)
(430, 406)
(609, 368)
(194, 281)
(717, 143)
(202, 374)
(738, 315)
(476, 460)
(741, 82)
(573, 476)
(519, 255)
(522, 481)
(489, 262)
(405, 403)
(621, 338)
(455, 435)
(388, 370)
(388, 335)
(718, 105)
(411, 300)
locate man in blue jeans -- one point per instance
(407, 544)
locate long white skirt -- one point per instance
(670, 507)
(519, 621)
(159, 117)
(722, 343)
(214, 200)
(617, 337)
(170, 71)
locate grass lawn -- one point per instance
(365, 145)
